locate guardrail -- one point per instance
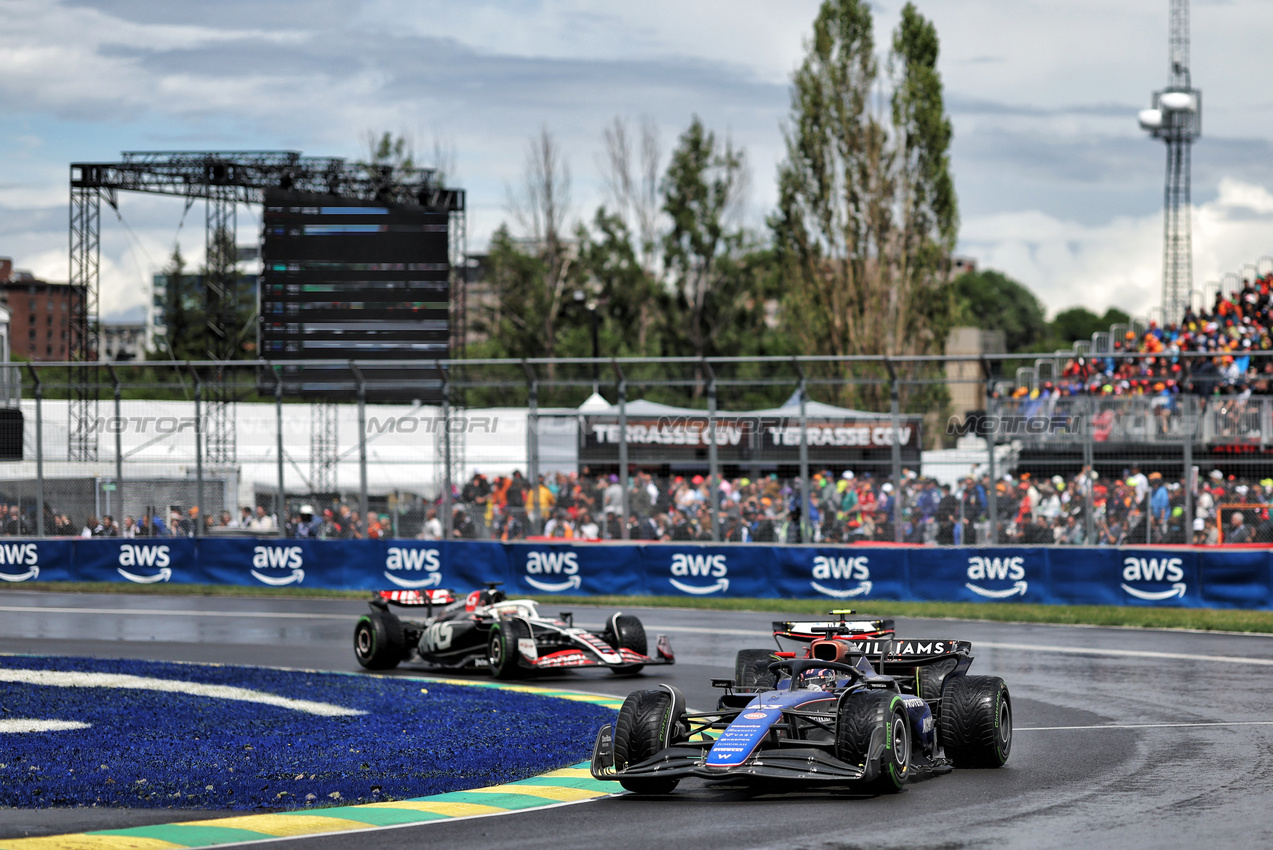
(845, 576)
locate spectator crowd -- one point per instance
(1137, 507)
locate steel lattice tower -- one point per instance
(1176, 118)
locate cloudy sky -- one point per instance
(1057, 185)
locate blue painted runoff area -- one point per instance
(143, 734)
(1237, 577)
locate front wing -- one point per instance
(593, 652)
(804, 764)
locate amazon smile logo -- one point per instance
(146, 564)
(16, 556)
(827, 569)
(278, 558)
(988, 569)
(553, 572)
(1154, 569)
(700, 567)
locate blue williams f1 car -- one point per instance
(858, 707)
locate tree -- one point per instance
(185, 330)
(542, 210)
(704, 185)
(993, 301)
(632, 183)
(390, 159)
(1079, 323)
(867, 214)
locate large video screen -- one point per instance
(355, 280)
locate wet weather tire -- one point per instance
(379, 643)
(866, 719)
(502, 650)
(751, 669)
(976, 721)
(626, 632)
(644, 724)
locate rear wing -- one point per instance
(413, 598)
(807, 631)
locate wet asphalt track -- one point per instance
(1124, 739)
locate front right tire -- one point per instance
(865, 717)
(502, 649)
(625, 631)
(644, 727)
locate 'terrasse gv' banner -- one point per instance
(848, 575)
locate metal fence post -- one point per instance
(118, 501)
(623, 451)
(448, 522)
(39, 451)
(1089, 462)
(992, 500)
(804, 456)
(895, 414)
(1189, 422)
(280, 502)
(363, 505)
(198, 453)
(533, 524)
(713, 459)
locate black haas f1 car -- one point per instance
(486, 630)
(858, 707)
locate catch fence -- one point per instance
(934, 451)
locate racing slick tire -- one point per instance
(862, 718)
(639, 734)
(625, 631)
(976, 721)
(379, 643)
(502, 649)
(751, 669)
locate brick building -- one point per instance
(39, 314)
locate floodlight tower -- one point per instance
(1176, 118)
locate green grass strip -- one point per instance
(1133, 616)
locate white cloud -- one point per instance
(1119, 264)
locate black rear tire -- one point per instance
(861, 719)
(639, 733)
(976, 721)
(751, 669)
(502, 649)
(379, 642)
(625, 631)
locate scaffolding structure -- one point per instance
(224, 180)
(1176, 119)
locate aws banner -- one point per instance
(845, 575)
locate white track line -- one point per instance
(171, 612)
(70, 679)
(751, 633)
(1126, 653)
(1146, 726)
